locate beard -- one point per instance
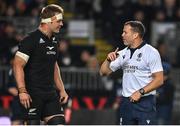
(56, 30)
(126, 43)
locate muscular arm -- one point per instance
(18, 67)
(13, 91)
(155, 83)
(57, 78)
(105, 70)
(59, 84)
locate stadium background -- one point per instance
(92, 28)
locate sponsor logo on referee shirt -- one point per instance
(130, 69)
(139, 57)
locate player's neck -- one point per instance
(45, 31)
(136, 43)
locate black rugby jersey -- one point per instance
(42, 52)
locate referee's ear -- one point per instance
(135, 35)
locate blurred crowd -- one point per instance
(109, 16)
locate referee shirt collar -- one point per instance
(141, 45)
(132, 50)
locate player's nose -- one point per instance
(61, 23)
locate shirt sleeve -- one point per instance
(116, 64)
(155, 63)
(25, 48)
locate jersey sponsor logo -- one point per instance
(120, 121)
(62, 109)
(148, 121)
(32, 111)
(130, 69)
(54, 40)
(51, 53)
(49, 47)
(41, 40)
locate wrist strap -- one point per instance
(22, 90)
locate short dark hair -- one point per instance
(50, 11)
(137, 26)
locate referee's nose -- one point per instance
(122, 34)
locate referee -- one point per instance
(37, 73)
(142, 75)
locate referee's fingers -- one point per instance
(117, 49)
(131, 99)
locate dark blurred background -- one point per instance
(92, 28)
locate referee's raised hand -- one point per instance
(112, 55)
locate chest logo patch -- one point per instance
(49, 47)
(139, 57)
(41, 41)
(50, 50)
(54, 40)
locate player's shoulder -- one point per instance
(34, 34)
(31, 36)
(150, 48)
(151, 51)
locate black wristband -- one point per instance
(142, 91)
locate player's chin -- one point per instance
(56, 31)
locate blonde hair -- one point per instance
(50, 11)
